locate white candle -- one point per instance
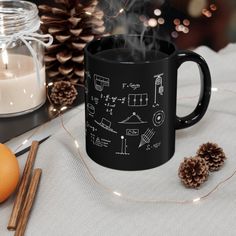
(20, 90)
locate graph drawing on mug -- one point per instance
(158, 118)
(159, 88)
(100, 82)
(132, 132)
(133, 119)
(106, 124)
(90, 109)
(138, 100)
(146, 137)
(123, 148)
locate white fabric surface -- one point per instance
(69, 203)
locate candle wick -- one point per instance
(6, 66)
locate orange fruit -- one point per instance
(9, 172)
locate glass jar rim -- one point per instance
(17, 16)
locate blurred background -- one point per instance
(189, 23)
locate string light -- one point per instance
(88, 13)
(128, 198)
(138, 200)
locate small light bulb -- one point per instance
(88, 13)
(157, 12)
(214, 89)
(117, 193)
(121, 10)
(197, 199)
(152, 22)
(63, 108)
(76, 143)
(50, 84)
(24, 142)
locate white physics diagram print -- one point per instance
(123, 148)
(133, 119)
(138, 100)
(91, 109)
(109, 111)
(158, 118)
(112, 99)
(130, 85)
(106, 124)
(99, 142)
(153, 146)
(132, 132)
(100, 82)
(87, 73)
(159, 88)
(95, 99)
(90, 126)
(146, 137)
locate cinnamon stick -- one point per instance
(29, 201)
(20, 197)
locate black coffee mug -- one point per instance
(130, 101)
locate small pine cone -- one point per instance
(213, 154)
(193, 171)
(63, 93)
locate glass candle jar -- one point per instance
(22, 70)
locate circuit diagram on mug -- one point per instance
(131, 119)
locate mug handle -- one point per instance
(205, 94)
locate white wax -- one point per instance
(19, 89)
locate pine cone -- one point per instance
(193, 171)
(72, 23)
(63, 93)
(213, 154)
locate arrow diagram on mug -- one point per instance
(146, 137)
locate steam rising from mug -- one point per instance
(129, 23)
